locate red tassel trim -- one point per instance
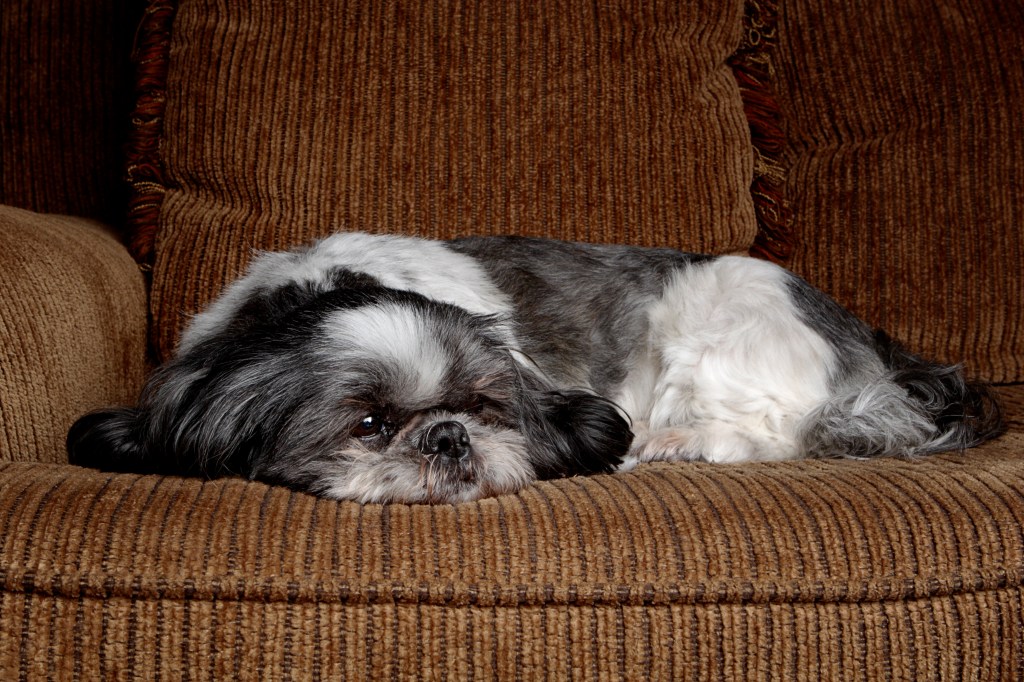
(144, 168)
(752, 68)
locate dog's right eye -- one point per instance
(371, 425)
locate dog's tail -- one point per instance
(914, 408)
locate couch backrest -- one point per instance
(268, 124)
(284, 122)
(906, 168)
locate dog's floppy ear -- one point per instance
(108, 440)
(576, 433)
(115, 440)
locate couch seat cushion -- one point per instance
(823, 568)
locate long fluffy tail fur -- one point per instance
(914, 408)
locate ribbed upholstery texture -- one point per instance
(811, 570)
(607, 122)
(65, 95)
(907, 168)
(72, 329)
(272, 123)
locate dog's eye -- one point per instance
(371, 425)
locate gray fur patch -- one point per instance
(581, 309)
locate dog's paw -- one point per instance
(671, 444)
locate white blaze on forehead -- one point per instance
(396, 337)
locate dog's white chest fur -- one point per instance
(729, 369)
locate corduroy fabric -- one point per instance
(65, 89)
(808, 570)
(907, 173)
(137, 638)
(597, 122)
(72, 329)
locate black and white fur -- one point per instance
(384, 368)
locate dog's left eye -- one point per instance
(370, 426)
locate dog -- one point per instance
(396, 369)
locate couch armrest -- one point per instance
(73, 318)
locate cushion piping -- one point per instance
(105, 585)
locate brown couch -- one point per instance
(873, 147)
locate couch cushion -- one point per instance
(907, 173)
(615, 122)
(72, 329)
(799, 570)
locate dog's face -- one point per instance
(358, 392)
(404, 400)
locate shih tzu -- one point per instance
(384, 368)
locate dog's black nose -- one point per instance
(449, 439)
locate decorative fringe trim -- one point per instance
(145, 169)
(753, 70)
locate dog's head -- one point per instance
(356, 391)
